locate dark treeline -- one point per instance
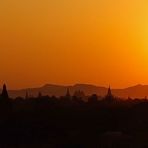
(71, 122)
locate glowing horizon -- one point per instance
(67, 42)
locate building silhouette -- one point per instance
(79, 94)
(68, 93)
(39, 95)
(109, 97)
(93, 99)
(4, 92)
(27, 95)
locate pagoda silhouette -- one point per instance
(5, 102)
(109, 97)
(68, 95)
(4, 93)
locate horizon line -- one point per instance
(71, 85)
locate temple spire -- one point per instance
(68, 93)
(109, 91)
(109, 96)
(4, 92)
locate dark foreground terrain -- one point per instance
(49, 122)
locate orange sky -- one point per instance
(100, 42)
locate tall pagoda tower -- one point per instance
(4, 92)
(109, 96)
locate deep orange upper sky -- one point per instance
(100, 42)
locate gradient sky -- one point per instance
(100, 42)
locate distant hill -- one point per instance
(138, 91)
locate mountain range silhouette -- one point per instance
(137, 91)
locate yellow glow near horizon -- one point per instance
(78, 41)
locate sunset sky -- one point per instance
(98, 42)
